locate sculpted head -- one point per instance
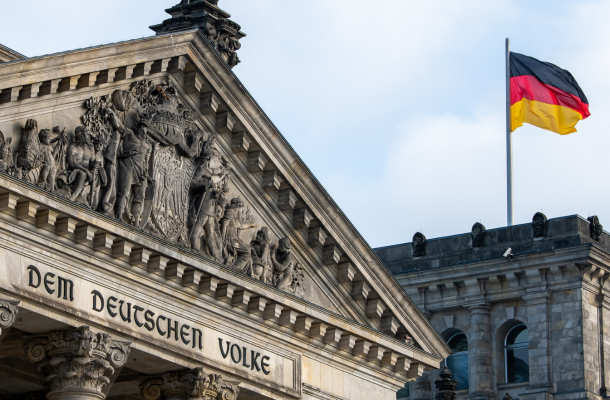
(236, 202)
(262, 236)
(45, 136)
(284, 245)
(539, 224)
(419, 245)
(82, 135)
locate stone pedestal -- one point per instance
(193, 385)
(479, 352)
(76, 362)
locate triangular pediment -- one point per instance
(209, 173)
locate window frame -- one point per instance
(460, 353)
(513, 346)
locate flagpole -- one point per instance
(509, 144)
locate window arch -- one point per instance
(516, 354)
(457, 362)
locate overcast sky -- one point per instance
(397, 106)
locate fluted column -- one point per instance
(193, 385)
(76, 362)
(479, 352)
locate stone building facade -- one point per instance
(160, 239)
(524, 308)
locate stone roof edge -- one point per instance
(468, 233)
(11, 52)
(308, 183)
(25, 71)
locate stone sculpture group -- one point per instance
(140, 158)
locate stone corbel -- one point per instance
(194, 385)
(76, 362)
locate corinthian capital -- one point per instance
(76, 362)
(8, 313)
(193, 384)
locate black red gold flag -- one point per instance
(544, 95)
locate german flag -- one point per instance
(544, 95)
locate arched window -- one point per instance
(517, 355)
(458, 361)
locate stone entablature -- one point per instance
(136, 251)
(355, 274)
(555, 281)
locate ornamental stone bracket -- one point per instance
(76, 363)
(192, 385)
(8, 313)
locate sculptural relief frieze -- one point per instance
(140, 157)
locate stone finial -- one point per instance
(445, 387)
(8, 313)
(193, 384)
(596, 228)
(419, 245)
(222, 33)
(77, 362)
(478, 234)
(540, 225)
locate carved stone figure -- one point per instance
(194, 384)
(208, 188)
(99, 173)
(445, 387)
(540, 225)
(260, 252)
(283, 264)
(77, 362)
(80, 155)
(236, 252)
(122, 101)
(596, 228)
(7, 165)
(29, 157)
(52, 158)
(133, 156)
(419, 245)
(478, 234)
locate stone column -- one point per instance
(479, 352)
(193, 385)
(76, 362)
(538, 329)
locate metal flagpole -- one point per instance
(509, 143)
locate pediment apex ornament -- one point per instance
(540, 225)
(595, 227)
(478, 234)
(193, 384)
(419, 244)
(221, 33)
(87, 358)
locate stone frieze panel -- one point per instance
(155, 321)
